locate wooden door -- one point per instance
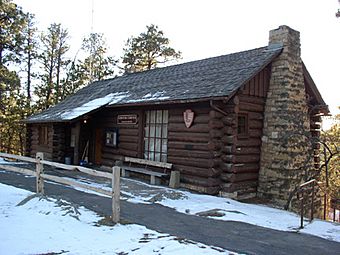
(98, 146)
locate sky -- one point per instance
(202, 29)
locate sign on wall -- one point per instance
(128, 119)
(188, 116)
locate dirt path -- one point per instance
(234, 236)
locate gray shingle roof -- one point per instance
(207, 78)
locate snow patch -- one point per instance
(46, 226)
(158, 96)
(94, 104)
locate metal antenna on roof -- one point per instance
(92, 14)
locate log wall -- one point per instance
(35, 146)
(189, 150)
(241, 153)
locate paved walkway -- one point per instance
(234, 236)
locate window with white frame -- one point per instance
(156, 135)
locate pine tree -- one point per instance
(12, 24)
(53, 60)
(148, 50)
(97, 65)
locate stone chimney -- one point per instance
(285, 151)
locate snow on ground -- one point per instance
(33, 225)
(222, 208)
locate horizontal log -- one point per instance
(215, 145)
(248, 142)
(251, 158)
(247, 150)
(190, 153)
(189, 137)
(251, 107)
(228, 130)
(213, 114)
(251, 99)
(180, 127)
(255, 133)
(18, 170)
(129, 139)
(187, 146)
(201, 181)
(200, 119)
(231, 109)
(228, 158)
(239, 177)
(236, 100)
(255, 116)
(215, 133)
(75, 184)
(229, 139)
(128, 146)
(234, 186)
(185, 161)
(196, 171)
(197, 110)
(128, 132)
(240, 168)
(255, 124)
(206, 190)
(229, 149)
(229, 120)
(215, 124)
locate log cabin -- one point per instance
(231, 124)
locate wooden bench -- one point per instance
(141, 166)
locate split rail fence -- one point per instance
(41, 176)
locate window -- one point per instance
(156, 135)
(111, 138)
(242, 124)
(43, 135)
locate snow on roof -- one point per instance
(112, 98)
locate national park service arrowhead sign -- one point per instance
(188, 116)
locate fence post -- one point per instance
(116, 194)
(39, 170)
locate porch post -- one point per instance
(76, 144)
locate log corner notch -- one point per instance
(223, 137)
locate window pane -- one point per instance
(146, 144)
(165, 116)
(152, 117)
(152, 130)
(164, 146)
(157, 157)
(164, 158)
(146, 131)
(158, 131)
(152, 144)
(158, 145)
(151, 155)
(165, 131)
(159, 117)
(147, 117)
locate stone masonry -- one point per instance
(285, 142)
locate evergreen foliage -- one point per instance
(148, 50)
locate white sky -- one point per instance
(201, 29)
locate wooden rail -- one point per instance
(41, 176)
